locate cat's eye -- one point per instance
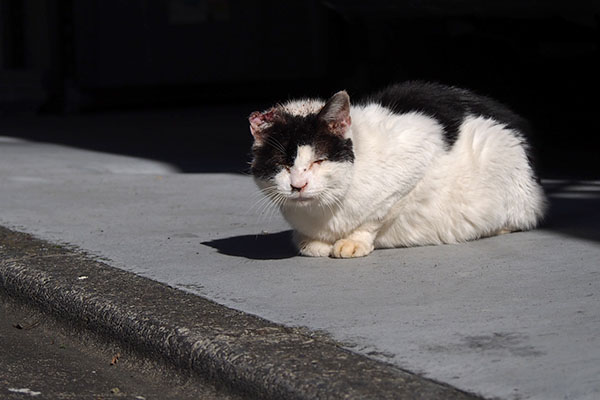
(318, 161)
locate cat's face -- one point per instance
(303, 158)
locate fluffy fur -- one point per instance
(417, 164)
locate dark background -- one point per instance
(174, 80)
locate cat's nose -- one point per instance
(298, 188)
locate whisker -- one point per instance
(275, 144)
(332, 201)
(259, 204)
(266, 194)
(278, 204)
(264, 203)
(327, 203)
(279, 144)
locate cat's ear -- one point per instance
(259, 121)
(336, 113)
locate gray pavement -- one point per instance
(513, 317)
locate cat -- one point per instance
(418, 163)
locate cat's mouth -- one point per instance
(303, 198)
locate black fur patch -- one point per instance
(282, 139)
(450, 106)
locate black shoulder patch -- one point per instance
(447, 104)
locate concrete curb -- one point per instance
(241, 351)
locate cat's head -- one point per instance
(302, 151)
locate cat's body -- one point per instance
(418, 164)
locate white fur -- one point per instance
(303, 107)
(405, 188)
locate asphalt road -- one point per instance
(45, 359)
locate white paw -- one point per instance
(347, 248)
(315, 248)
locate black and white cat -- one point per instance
(417, 164)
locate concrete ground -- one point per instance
(512, 317)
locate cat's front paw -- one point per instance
(315, 248)
(348, 248)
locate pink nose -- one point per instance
(298, 187)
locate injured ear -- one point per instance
(259, 121)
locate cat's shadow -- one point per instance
(268, 246)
